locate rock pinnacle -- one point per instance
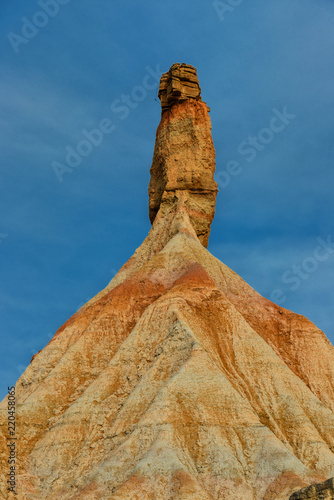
(182, 172)
(177, 380)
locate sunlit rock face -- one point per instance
(184, 156)
(178, 380)
(179, 84)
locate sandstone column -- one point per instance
(184, 156)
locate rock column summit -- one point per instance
(178, 380)
(182, 172)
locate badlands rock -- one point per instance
(178, 380)
(182, 172)
(180, 83)
(322, 491)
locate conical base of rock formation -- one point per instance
(177, 381)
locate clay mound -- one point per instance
(178, 380)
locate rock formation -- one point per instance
(184, 156)
(179, 84)
(178, 380)
(321, 491)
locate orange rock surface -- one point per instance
(178, 380)
(184, 156)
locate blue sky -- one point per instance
(61, 242)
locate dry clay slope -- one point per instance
(164, 388)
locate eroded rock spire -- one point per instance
(182, 172)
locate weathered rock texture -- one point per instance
(182, 172)
(322, 491)
(177, 381)
(179, 84)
